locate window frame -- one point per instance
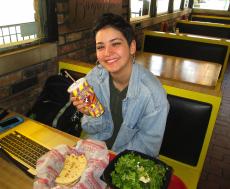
(193, 2)
(153, 10)
(140, 17)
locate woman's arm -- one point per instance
(150, 135)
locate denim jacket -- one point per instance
(144, 111)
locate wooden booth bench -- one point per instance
(221, 31)
(190, 123)
(211, 18)
(186, 46)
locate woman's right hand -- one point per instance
(80, 105)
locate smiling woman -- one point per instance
(134, 101)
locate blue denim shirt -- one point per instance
(144, 111)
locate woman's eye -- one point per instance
(116, 44)
(99, 47)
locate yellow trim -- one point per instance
(195, 38)
(80, 67)
(218, 25)
(189, 174)
(212, 17)
(224, 67)
(203, 39)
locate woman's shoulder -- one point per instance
(150, 83)
(97, 75)
(147, 77)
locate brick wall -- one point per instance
(73, 44)
(19, 90)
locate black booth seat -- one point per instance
(206, 30)
(186, 127)
(185, 48)
(213, 20)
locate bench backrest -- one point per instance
(210, 18)
(186, 127)
(204, 28)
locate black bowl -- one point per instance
(106, 176)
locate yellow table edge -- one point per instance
(81, 67)
(210, 16)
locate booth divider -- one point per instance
(188, 46)
(221, 31)
(211, 18)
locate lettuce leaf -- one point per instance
(132, 171)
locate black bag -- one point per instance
(53, 107)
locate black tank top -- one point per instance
(116, 98)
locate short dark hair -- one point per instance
(117, 22)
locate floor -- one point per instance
(216, 171)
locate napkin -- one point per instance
(50, 165)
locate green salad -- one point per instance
(134, 172)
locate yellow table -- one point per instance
(12, 177)
(180, 69)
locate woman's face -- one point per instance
(113, 51)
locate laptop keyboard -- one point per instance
(23, 148)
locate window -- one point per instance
(20, 28)
(186, 2)
(211, 4)
(162, 6)
(28, 26)
(139, 8)
(176, 5)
